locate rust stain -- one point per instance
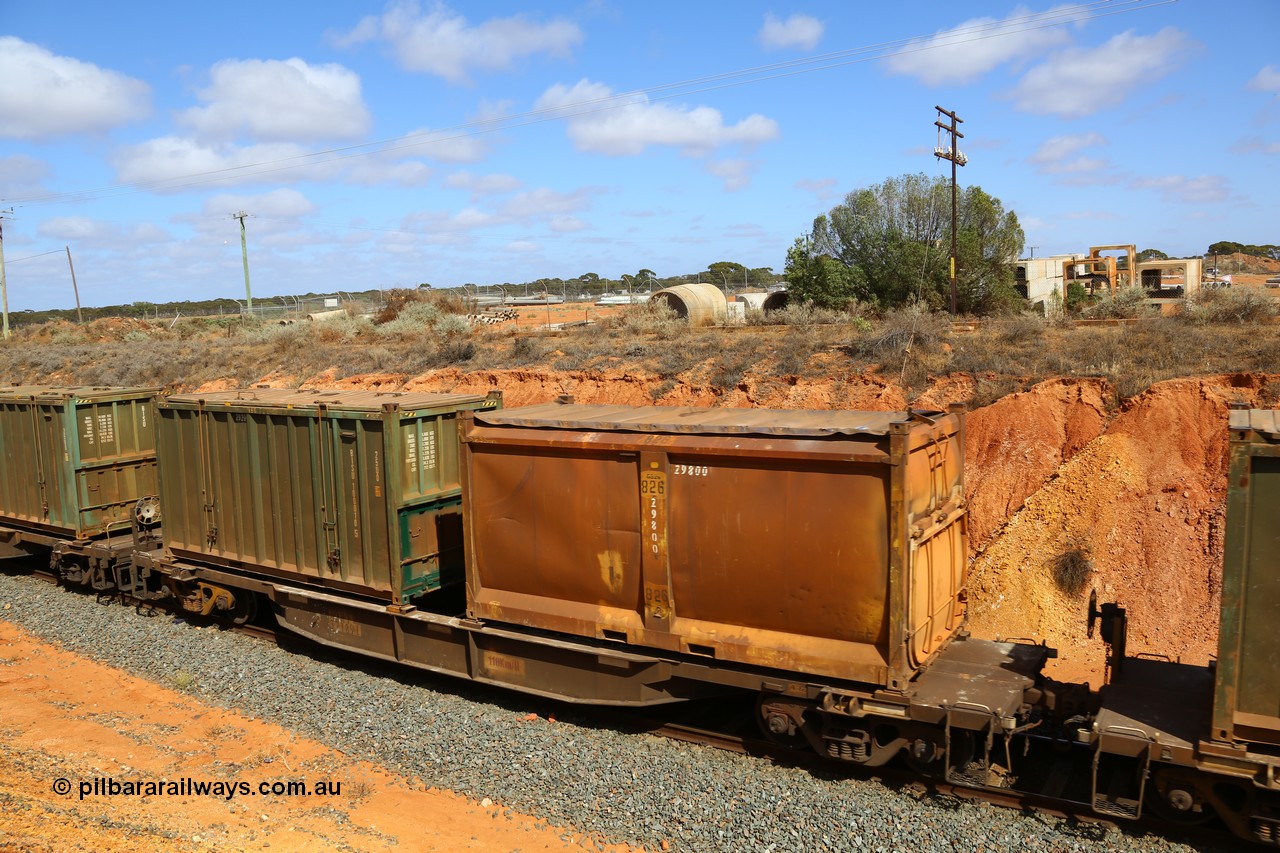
(611, 570)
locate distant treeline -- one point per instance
(728, 274)
(1228, 247)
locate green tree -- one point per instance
(1152, 255)
(1225, 247)
(821, 279)
(897, 236)
(726, 273)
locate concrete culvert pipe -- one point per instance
(776, 301)
(700, 304)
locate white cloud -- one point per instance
(965, 52)
(1256, 145)
(171, 163)
(21, 175)
(445, 146)
(1205, 189)
(146, 233)
(543, 202)
(480, 185)
(1076, 83)
(823, 189)
(522, 247)
(1057, 149)
(444, 43)
(277, 204)
(567, 224)
(185, 161)
(375, 171)
(1060, 155)
(279, 100)
(1266, 80)
(74, 229)
(632, 123)
(441, 227)
(736, 174)
(798, 31)
(44, 95)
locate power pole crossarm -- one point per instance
(952, 153)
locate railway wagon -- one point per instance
(354, 491)
(1246, 705)
(826, 543)
(77, 459)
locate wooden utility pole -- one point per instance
(952, 153)
(244, 256)
(4, 285)
(74, 288)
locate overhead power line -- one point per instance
(667, 91)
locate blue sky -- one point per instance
(385, 145)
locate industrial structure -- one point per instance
(1038, 279)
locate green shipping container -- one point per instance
(351, 490)
(76, 459)
(1247, 689)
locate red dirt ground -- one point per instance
(65, 717)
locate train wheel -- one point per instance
(777, 720)
(1175, 798)
(926, 757)
(245, 609)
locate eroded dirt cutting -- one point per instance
(1142, 503)
(1137, 494)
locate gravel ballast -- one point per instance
(619, 786)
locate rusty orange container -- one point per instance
(830, 543)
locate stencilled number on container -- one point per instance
(428, 450)
(692, 470)
(653, 484)
(420, 449)
(653, 497)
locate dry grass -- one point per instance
(1218, 332)
(1072, 568)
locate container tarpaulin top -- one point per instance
(1264, 421)
(77, 458)
(355, 490)
(691, 419)
(831, 543)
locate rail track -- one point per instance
(693, 723)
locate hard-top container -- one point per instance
(354, 490)
(830, 543)
(76, 458)
(1247, 682)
